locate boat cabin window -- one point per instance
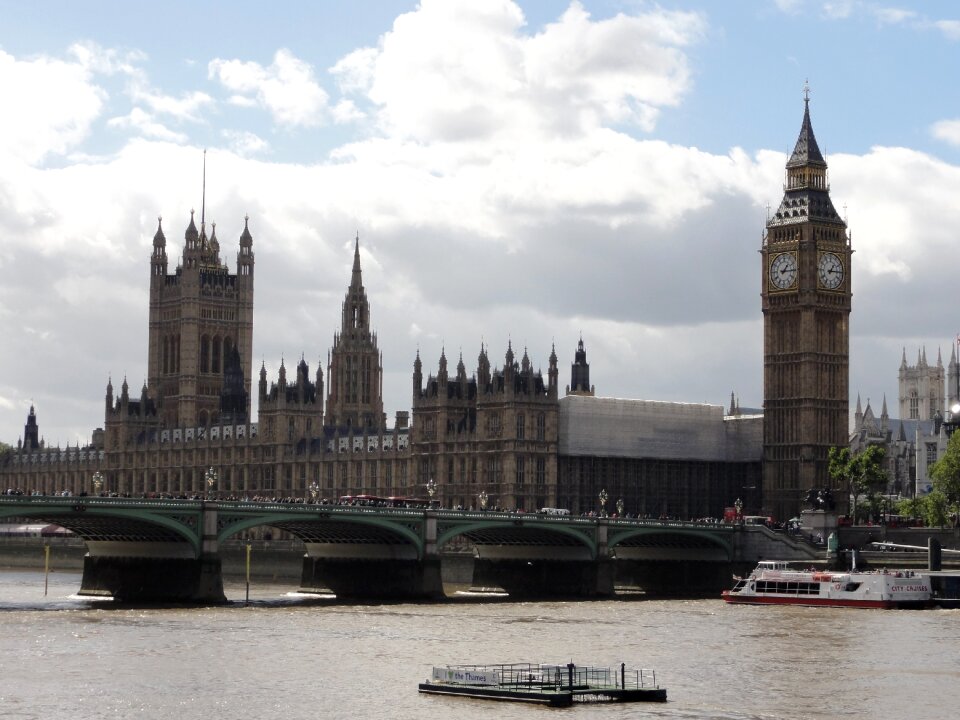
(772, 565)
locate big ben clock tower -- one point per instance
(806, 336)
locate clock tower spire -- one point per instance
(806, 300)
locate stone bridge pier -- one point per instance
(157, 570)
(374, 565)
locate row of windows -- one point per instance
(788, 588)
(494, 426)
(218, 314)
(213, 354)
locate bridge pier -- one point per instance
(371, 571)
(676, 578)
(546, 578)
(154, 579)
(163, 570)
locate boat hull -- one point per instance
(736, 599)
(773, 582)
(550, 699)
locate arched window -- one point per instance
(215, 366)
(204, 354)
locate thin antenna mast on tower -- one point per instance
(203, 201)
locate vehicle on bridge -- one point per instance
(394, 501)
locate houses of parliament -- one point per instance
(501, 435)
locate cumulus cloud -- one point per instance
(894, 16)
(187, 107)
(50, 106)
(950, 28)
(513, 198)
(286, 88)
(463, 71)
(245, 143)
(144, 124)
(948, 131)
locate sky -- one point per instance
(517, 172)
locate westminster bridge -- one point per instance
(169, 550)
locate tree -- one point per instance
(839, 467)
(859, 474)
(934, 509)
(870, 477)
(945, 473)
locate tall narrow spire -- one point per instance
(356, 279)
(806, 151)
(203, 199)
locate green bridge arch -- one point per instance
(278, 519)
(721, 537)
(587, 537)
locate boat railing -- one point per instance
(552, 678)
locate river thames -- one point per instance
(287, 656)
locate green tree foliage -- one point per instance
(931, 508)
(945, 473)
(861, 474)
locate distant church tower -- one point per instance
(201, 330)
(580, 373)
(805, 295)
(921, 388)
(355, 370)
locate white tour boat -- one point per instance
(773, 582)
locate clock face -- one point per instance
(783, 271)
(830, 271)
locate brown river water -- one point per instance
(311, 657)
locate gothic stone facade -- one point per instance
(805, 295)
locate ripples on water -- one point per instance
(289, 656)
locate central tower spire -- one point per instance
(806, 301)
(355, 391)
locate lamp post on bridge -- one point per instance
(619, 507)
(483, 497)
(97, 481)
(211, 477)
(431, 489)
(738, 509)
(603, 502)
(314, 489)
(952, 421)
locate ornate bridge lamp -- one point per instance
(603, 497)
(619, 507)
(211, 477)
(431, 489)
(738, 509)
(483, 497)
(953, 413)
(314, 489)
(97, 481)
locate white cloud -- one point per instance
(950, 28)
(509, 196)
(286, 88)
(108, 61)
(948, 131)
(839, 9)
(50, 106)
(894, 16)
(143, 123)
(244, 143)
(789, 6)
(187, 107)
(464, 71)
(346, 111)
